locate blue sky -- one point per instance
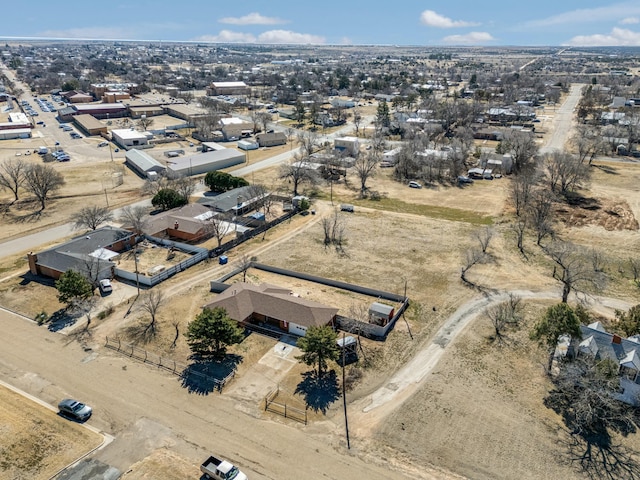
(429, 23)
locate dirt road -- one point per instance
(370, 410)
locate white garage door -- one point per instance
(297, 330)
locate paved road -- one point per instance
(50, 235)
(145, 409)
(564, 120)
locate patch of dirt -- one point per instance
(608, 214)
(35, 442)
(162, 464)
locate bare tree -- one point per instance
(42, 181)
(308, 142)
(484, 236)
(588, 143)
(263, 119)
(540, 213)
(218, 227)
(290, 133)
(473, 257)
(85, 307)
(574, 269)
(152, 187)
(12, 176)
(184, 186)
(135, 217)
(151, 302)
(145, 122)
(634, 264)
(365, 167)
(520, 192)
(91, 217)
(505, 314)
(519, 227)
(244, 264)
(565, 172)
(334, 229)
(523, 148)
(357, 121)
(297, 172)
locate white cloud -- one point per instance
(471, 38)
(346, 41)
(588, 15)
(617, 37)
(287, 36)
(630, 21)
(227, 36)
(433, 19)
(253, 18)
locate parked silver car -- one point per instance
(75, 409)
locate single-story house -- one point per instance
(272, 305)
(236, 201)
(271, 139)
(91, 254)
(187, 223)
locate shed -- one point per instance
(271, 139)
(380, 314)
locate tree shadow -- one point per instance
(61, 319)
(204, 375)
(597, 457)
(607, 169)
(141, 332)
(319, 393)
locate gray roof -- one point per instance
(143, 162)
(226, 201)
(605, 346)
(74, 254)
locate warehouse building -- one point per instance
(143, 164)
(127, 137)
(204, 162)
(89, 124)
(228, 88)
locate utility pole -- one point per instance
(344, 395)
(135, 259)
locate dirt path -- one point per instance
(369, 411)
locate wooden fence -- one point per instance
(168, 364)
(270, 405)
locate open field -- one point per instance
(35, 442)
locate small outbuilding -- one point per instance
(380, 314)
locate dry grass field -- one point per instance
(35, 442)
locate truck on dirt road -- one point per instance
(216, 469)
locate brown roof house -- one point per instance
(274, 306)
(186, 223)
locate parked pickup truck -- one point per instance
(217, 469)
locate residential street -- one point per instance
(145, 408)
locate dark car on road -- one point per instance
(75, 409)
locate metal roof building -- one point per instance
(142, 163)
(204, 162)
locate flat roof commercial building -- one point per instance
(127, 137)
(228, 88)
(89, 124)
